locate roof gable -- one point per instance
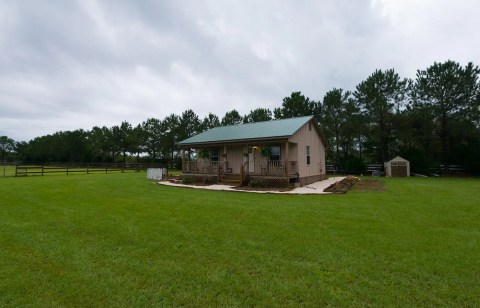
(283, 128)
(397, 158)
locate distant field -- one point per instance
(7, 170)
(120, 240)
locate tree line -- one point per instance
(431, 120)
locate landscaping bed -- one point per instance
(342, 186)
(369, 186)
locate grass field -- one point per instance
(7, 170)
(120, 240)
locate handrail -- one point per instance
(276, 167)
(261, 167)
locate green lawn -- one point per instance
(119, 240)
(7, 170)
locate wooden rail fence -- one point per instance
(68, 169)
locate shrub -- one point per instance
(187, 180)
(254, 183)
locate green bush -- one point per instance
(254, 183)
(187, 180)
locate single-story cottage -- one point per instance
(278, 151)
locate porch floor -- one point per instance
(291, 176)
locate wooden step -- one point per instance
(233, 180)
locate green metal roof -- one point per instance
(283, 128)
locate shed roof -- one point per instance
(397, 158)
(283, 128)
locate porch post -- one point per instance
(225, 161)
(288, 159)
(247, 165)
(287, 154)
(184, 168)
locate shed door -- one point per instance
(399, 168)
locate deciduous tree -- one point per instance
(100, 142)
(7, 145)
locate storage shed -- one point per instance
(397, 167)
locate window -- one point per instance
(275, 152)
(214, 155)
(308, 155)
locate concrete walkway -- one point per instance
(311, 189)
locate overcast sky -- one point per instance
(66, 65)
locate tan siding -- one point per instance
(293, 152)
(310, 137)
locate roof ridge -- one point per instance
(267, 121)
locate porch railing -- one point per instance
(266, 168)
(272, 168)
(202, 167)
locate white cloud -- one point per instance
(69, 65)
(431, 30)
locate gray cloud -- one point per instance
(75, 64)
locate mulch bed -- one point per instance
(344, 185)
(369, 186)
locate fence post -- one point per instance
(42, 169)
(16, 170)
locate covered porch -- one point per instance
(240, 160)
(266, 167)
